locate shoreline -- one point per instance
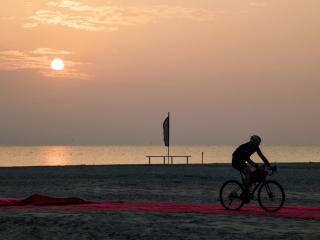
(150, 165)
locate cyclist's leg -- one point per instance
(247, 172)
(242, 167)
(248, 175)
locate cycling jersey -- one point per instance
(242, 154)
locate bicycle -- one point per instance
(271, 196)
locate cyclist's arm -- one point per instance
(263, 158)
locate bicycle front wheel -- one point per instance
(232, 195)
(271, 196)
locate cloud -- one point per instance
(29, 25)
(109, 17)
(39, 60)
(50, 51)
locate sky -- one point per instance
(224, 69)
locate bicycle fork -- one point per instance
(270, 194)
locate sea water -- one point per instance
(110, 155)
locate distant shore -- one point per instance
(156, 164)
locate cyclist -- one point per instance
(241, 156)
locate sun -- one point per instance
(57, 64)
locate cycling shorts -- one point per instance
(239, 164)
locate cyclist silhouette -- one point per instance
(241, 156)
(234, 194)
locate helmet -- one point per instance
(255, 139)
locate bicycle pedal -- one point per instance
(246, 197)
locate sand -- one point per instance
(179, 184)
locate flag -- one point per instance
(166, 131)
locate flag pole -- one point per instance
(169, 137)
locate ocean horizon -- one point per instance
(12, 156)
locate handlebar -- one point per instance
(273, 170)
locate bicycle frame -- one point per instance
(258, 184)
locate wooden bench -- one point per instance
(169, 157)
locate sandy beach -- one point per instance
(193, 184)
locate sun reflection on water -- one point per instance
(57, 156)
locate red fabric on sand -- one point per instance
(78, 204)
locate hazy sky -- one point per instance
(223, 68)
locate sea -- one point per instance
(11, 156)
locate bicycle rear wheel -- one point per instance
(271, 196)
(231, 195)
